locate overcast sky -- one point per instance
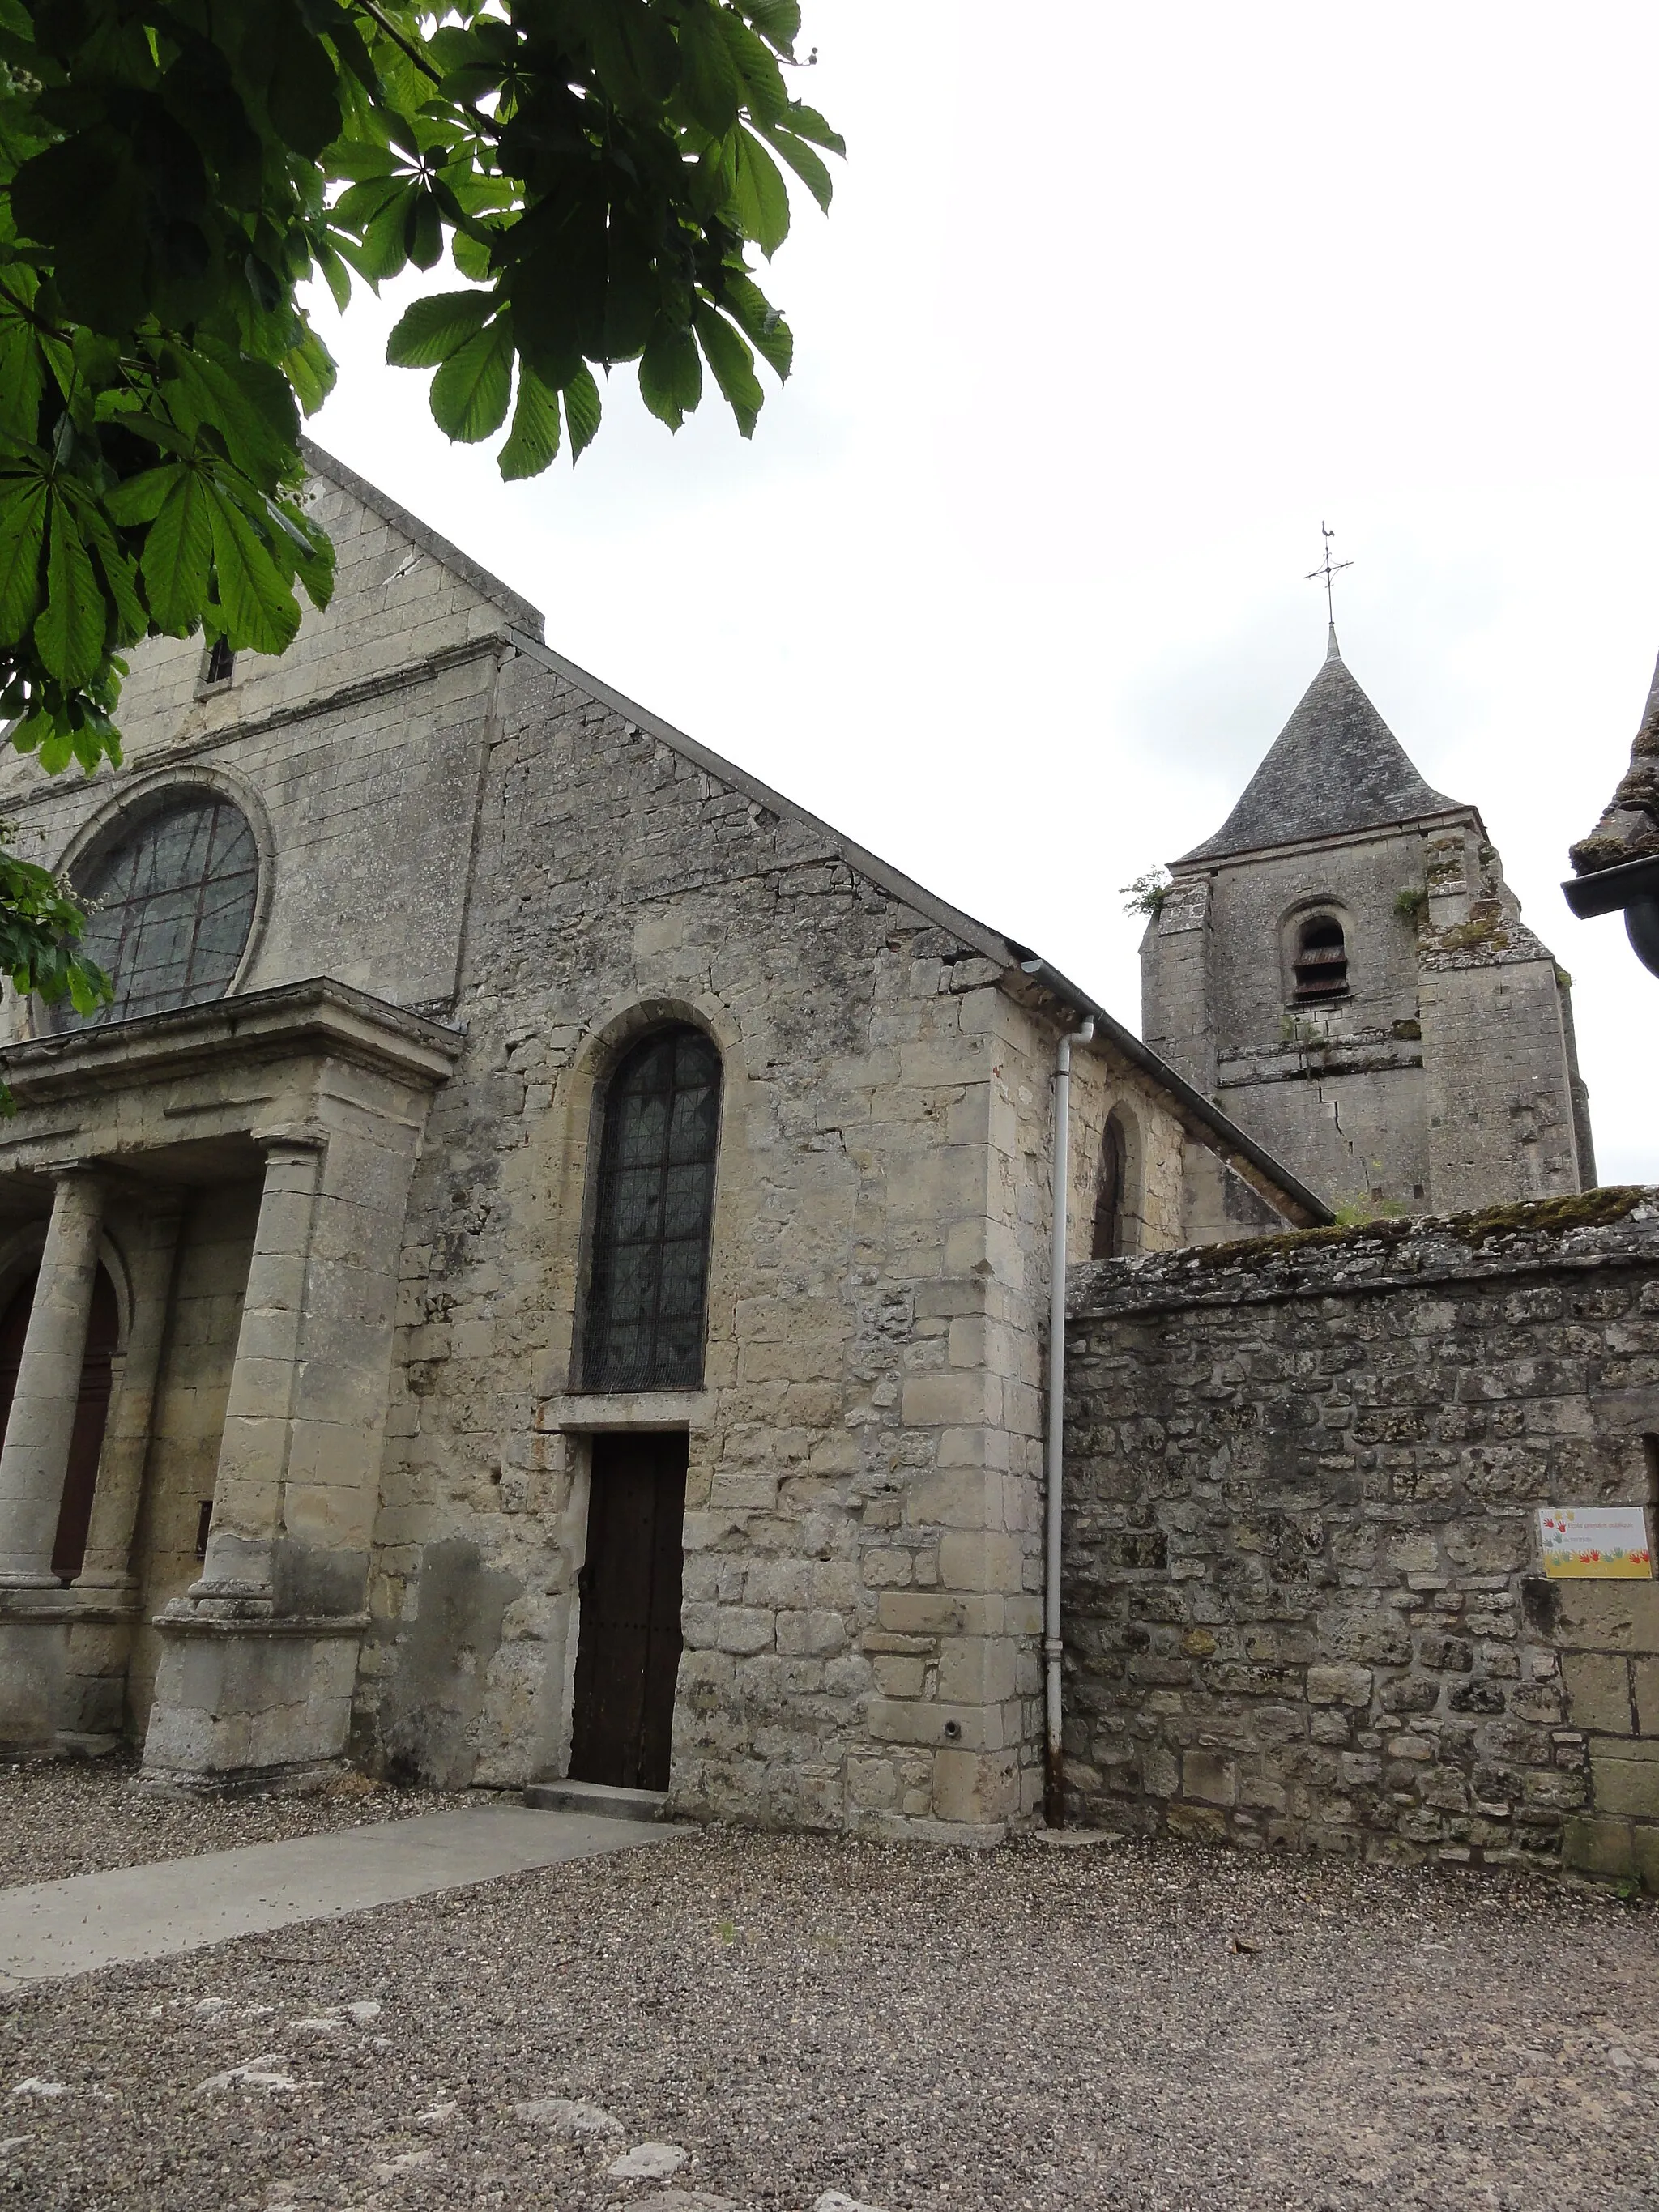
(1115, 305)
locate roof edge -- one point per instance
(1222, 1134)
(1217, 1130)
(984, 939)
(1200, 858)
(322, 463)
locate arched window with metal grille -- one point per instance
(648, 1283)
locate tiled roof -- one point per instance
(1334, 768)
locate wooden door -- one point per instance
(91, 1411)
(628, 1653)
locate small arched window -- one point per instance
(170, 906)
(647, 1290)
(1319, 966)
(1109, 1192)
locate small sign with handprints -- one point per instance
(1602, 1542)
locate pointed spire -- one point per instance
(1335, 768)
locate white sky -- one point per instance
(1115, 305)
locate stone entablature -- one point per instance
(1303, 1603)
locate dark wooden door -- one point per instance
(91, 1411)
(628, 1655)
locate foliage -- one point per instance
(171, 173)
(38, 927)
(1411, 904)
(1356, 1212)
(1147, 893)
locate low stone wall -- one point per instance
(1302, 1604)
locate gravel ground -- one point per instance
(1136, 2026)
(86, 1816)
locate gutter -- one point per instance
(1633, 886)
(1054, 1782)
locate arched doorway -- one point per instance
(91, 1409)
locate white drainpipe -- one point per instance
(1053, 1800)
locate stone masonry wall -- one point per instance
(1302, 1603)
(356, 758)
(863, 1537)
(863, 1541)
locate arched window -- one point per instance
(648, 1285)
(1319, 966)
(1118, 1202)
(170, 906)
(1108, 1242)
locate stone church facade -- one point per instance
(1343, 970)
(544, 1268)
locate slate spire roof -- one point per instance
(1336, 767)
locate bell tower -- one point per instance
(1343, 969)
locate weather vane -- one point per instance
(1329, 571)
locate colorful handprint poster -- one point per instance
(1595, 1542)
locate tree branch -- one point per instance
(46, 328)
(398, 39)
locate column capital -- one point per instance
(295, 1137)
(74, 1168)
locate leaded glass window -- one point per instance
(169, 908)
(649, 1284)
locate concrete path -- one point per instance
(52, 1929)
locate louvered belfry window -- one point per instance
(647, 1293)
(1320, 969)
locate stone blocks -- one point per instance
(237, 1700)
(1293, 1618)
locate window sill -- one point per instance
(582, 1413)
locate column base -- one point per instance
(243, 1703)
(63, 1668)
(33, 1662)
(244, 1782)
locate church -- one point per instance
(542, 1271)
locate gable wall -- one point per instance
(862, 1571)
(356, 757)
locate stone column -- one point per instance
(240, 1571)
(35, 1457)
(108, 1562)
(34, 1610)
(260, 1655)
(104, 1598)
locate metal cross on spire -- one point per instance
(1328, 570)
